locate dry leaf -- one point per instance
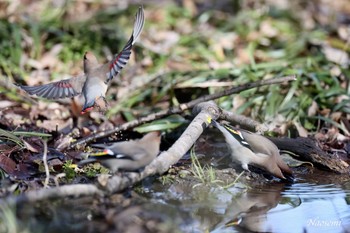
(336, 55)
(6, 104)
(7, 164)
(301, 130)
(29, 146)
(312, 110)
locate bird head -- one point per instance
(90, 62)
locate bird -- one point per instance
(94, 82)
(250, 148)
(131, 155)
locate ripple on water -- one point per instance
(300, 207)
(310, 190)
(322, 208)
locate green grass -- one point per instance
(205, 174)
(293, 49)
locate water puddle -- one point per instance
(308, 205)
(318, 201)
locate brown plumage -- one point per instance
(260, 144)
(129, 155)
(249, 148)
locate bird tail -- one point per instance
(88, 106)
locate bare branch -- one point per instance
(243, 121)
(168, 158)
(117, 183)
(162, 163)
(181, 108)
(47, 172)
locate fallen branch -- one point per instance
(168, 158)
(204, 111)
(308, 150)
(118, 183)
(179, 109)
(73, 190)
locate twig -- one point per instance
(47, 172)
(57, 177)
(167, 158)
(243, 121)
(181, 108)
(117, 183)
(161, 163)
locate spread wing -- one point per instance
(120, 60)
(56, 90)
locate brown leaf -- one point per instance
(7, 164)
(29, 146)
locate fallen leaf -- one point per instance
(6, 104)
(301, 130)
(336, 55)
(7, 164)
(312, 109)
(29, 146)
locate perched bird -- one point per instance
(249, 148)
(94, 82)
(127, 155)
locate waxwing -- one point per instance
(94, 82)
(129, 155)
(250, 148)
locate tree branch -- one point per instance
(204, 111)
(180, 109)
(117, 183)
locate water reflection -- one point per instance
(300, 207)
(316, 202)
(249, 210)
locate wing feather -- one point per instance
(121, 59)
(56, 90)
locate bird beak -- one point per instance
(101, 153)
